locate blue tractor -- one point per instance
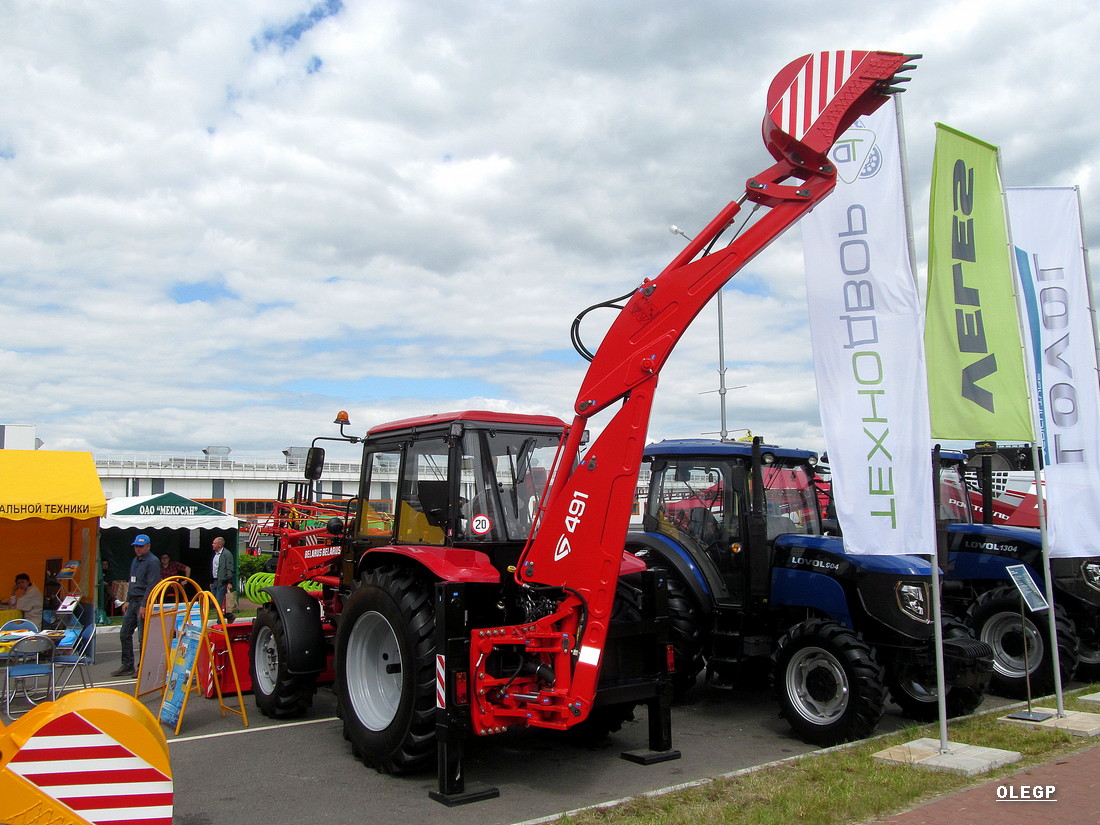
(752, 580)
(977, 585)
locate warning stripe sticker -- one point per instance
(819, 79)
(77, 764)
(440, 680)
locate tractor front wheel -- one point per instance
(278, 694)
(1021, 650)
(385, 662)
(829, 686)
(915, 693)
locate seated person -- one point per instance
(172, 568)
(28, 598)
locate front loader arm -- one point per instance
(578, 542)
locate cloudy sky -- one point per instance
(224, 221)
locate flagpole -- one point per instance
(1037, 433)
(1088, 277)
(937, 617)
(1053, 626)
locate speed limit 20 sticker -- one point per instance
(481, 524)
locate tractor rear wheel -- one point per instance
(995, 619)
(603, 720)
(1088, 663)
(687, 633)
(915, 693)
(279, 694)
(385, 663)
(829, 686)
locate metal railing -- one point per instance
(150, 461)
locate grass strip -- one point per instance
(834, 787)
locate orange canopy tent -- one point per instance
(50, 506)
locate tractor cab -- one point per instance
(468, 479)
(729, 502)
(954, 496)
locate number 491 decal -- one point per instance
(572, 522)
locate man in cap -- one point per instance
(144, 574)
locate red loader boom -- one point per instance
(577, 542)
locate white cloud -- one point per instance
(432, 192)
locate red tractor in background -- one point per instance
(499, 595)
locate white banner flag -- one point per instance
(866, 328)
(1050, 261)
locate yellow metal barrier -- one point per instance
(39, 751)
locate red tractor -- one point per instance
(495, 592)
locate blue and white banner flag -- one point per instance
(1050, 261)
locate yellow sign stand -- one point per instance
(183, 631)
(165, 615)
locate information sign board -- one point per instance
(1029, 590)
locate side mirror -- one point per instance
(315, 463)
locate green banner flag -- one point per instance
(977, 384)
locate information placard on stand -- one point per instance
(183, 627)
(1028, 587)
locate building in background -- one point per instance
(18, 437)
(244, 488)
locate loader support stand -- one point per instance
(452, 640)
(659, 710)
(659, 705)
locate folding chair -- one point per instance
(82, 656)
(16, 624)
(19, 624)
(24, 665)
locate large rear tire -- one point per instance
(1088, 647)
(385, 663)
(604, 720)
(829, 686)
(278, 694)
(995, 619)
(916, 694)
(687, 634)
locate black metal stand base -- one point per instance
(475, 793)
(644, 756)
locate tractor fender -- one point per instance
(449, 564)
(804, 588)
(981, 550)
(661, 551)
(300, 614)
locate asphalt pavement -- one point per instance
(287, 773)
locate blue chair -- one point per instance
(25, 665)
(82, 657)
(16, 624)
(19, 624)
